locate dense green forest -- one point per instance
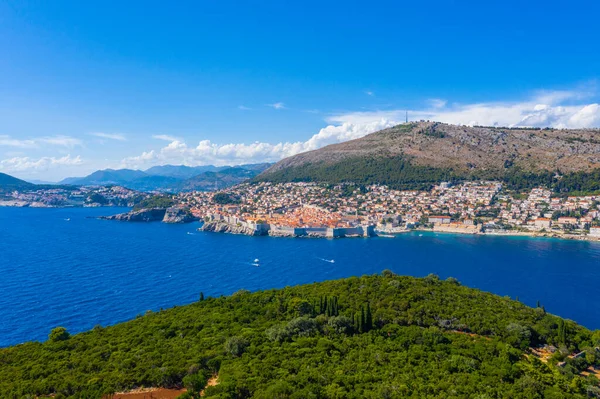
(396, 172)
(374, 336)
(155, 201)
(399, 173)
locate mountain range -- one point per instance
(174, 178)
(417, 154)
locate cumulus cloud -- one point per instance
(27, 164)
(560, 109)
(60, 141)
(244, 108)
(278, 105)
(110, 136)
(207, 152)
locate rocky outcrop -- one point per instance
(168, 215)
(144, 215)
(222, 227)
(179, 215)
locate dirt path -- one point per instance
(212, 381)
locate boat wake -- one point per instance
(327, 260)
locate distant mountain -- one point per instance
(181, 171)
(106, 177)
(172, 178)
(9, 183)
(415, 155)
(43, 182)
(217, 180)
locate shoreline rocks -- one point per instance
(221, 227)
(179, 215)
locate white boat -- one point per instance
(386, 235)
(256, 260)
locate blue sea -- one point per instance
(59, 267)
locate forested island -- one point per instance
(378, 336)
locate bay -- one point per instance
(58, 267)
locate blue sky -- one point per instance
(89, 85)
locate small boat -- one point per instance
(385, 235)
(256, 260)
(67, 219)
(420, 235)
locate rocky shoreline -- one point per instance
(221, 224)
(221, 227)
(165, 215)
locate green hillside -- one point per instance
(419, 155)
(369, 337)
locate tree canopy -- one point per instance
(373, 336)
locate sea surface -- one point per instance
(59, 267)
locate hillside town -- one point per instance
(471, 207)
(71, 196)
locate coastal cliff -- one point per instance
(165, 215)
(231, 224)
(178, 215)
(222, 227)
(143, 215)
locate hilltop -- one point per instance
(375, 336)
(9, 183)
(430, 152)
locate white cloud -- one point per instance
(110, 136)
(559, 109)
(207, 152)
(438, 103)
(27, 164)
(164, 137)
(8, 141)
(278, 105)
(244, 108)
(59, 141)
(369, 93)
(543, 109)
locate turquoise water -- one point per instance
(60, 268)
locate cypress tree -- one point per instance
(538, 303)
(321, 305)
(368, 318)
(362, 323)
(201, 296)
(335, 306)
